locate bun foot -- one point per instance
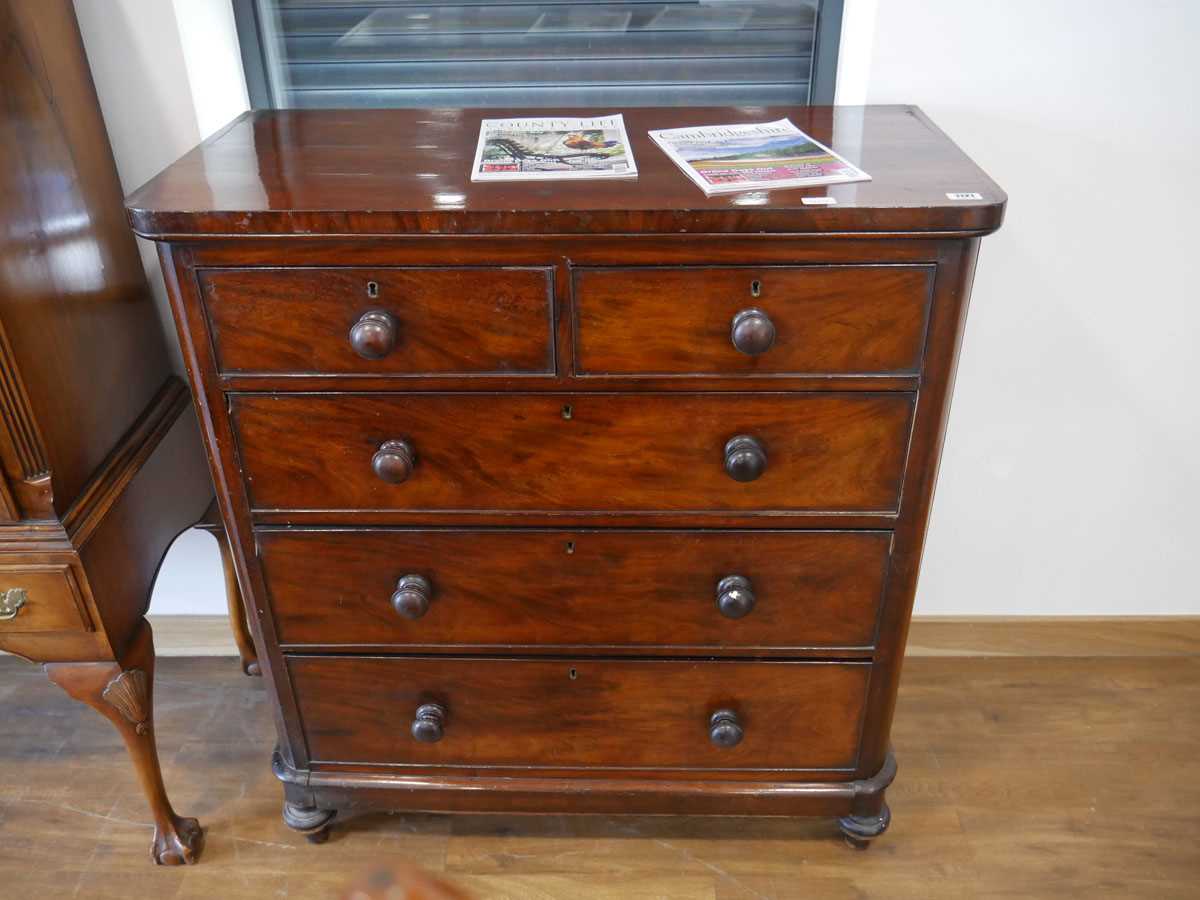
(310, 821)
(859, 831)
(178, 845)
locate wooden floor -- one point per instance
(1019, 777)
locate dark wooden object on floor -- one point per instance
(583, 497)
(238, 623)
(101, 464)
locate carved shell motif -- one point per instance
(128, 694)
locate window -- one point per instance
(561, 53)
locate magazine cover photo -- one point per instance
(521, 149)
(737, 157)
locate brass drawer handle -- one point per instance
(11, 603)
(745, 458)
(373, 336)
(724, 729)
(394, 460)
(752, 332)
(429, 723)
(735, 596)
(412, 596)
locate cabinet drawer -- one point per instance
(566, 713)
(834, 320)
(561, 452)
(45, 598)
(495, 589)
(436, 321)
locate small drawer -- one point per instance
(382, 321)
(570, 713)
(41, 598)
(743, 320)
(485, 589)
(574, 452)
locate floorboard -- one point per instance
(1019, 777)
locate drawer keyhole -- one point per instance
(570, 547)
(373, 289)
(756, 288)
(572, 674)
(567, 411)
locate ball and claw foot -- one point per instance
(310, 821)
(179, 845)
(859, 831)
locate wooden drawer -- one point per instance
(492, 589)
(834, 320)
(565, 713)
(50, 599)
(444, 321)
(560, 452)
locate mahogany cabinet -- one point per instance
(573, 497)
(101, 463)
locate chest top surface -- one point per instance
(407, 171)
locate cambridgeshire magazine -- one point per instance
(727, 158)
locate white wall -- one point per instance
(168, 73)
(1071, 468)
(1070, 465)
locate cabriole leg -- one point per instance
(237, 608)
(124, 694)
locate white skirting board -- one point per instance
(929, 636)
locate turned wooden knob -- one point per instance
(373, 336)
(735, 597)
(429, 723)
(745, 458)
(394, 460)
(724, 729)
(752, 332)
(412, 596)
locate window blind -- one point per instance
(389, 53)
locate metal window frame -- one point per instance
(254, 59)
(827, 40)
(822, 79)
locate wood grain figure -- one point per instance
(593, 497)
(101, 464)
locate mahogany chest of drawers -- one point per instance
(573, 497)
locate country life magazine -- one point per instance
(726, 158)
(553, 148)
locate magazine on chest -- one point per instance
(727, 158)
(552, 148)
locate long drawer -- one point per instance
(391, 321)
(488, 589)
(566, 713)
(562, 452)
(681, 321)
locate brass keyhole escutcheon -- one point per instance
(372, 289)
(756, 288)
